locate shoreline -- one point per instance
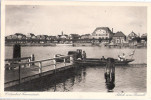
(77, 45)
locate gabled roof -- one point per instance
(119, 34)
(104, 28)
(132, 34)
(144, 35)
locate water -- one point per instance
(130, 78)
(93, 52)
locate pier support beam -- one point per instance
(40, 67)
(19, 72)
(64, 60)
(32, 59)
(29, 60)
(54, 65)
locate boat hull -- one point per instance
(99, 62)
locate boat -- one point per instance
(94, 61)
(100, 62)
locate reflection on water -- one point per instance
(90, 79)
(110, 74)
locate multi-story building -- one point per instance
(102, 33)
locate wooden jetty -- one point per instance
(18, 73)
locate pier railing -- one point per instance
(66, 59)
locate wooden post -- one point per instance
(17, 51)
(64, 60)
(54, 61)
(71, 59)
(40, 67)
(29, 60)
(19, 74)
(32, 59)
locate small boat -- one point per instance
(100, 62)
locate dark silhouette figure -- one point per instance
(110, 74)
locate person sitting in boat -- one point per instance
(79, 55)
(121, 58)
(102, 58)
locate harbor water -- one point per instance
(129, 78)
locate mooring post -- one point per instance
(64, 60)
(32, 59)
(54, 61)
(16, 53)
(29, 60)
(40, 67)
(71, 59)
(110, 74)
(19, 74)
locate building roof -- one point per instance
(132, 34)
(104, 28)
(119, 34)
(144, 35)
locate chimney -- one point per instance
(112, 30)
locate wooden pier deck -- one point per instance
(24, 73)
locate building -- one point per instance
(119, 38)
(42, 37)
(51, 38)
(30, 36)
(64, 36)
(144, 39)
(144, 36)
(20, 36)
(102, 33)
(132, 36)
(16, 38)
(9, 37)
(86, 36)
(74, 36)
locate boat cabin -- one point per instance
(76, 54)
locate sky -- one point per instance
(53, 19)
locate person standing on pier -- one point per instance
(84, 55)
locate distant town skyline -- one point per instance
(52, 20)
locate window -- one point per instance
(117, 40)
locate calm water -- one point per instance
(130, 78)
